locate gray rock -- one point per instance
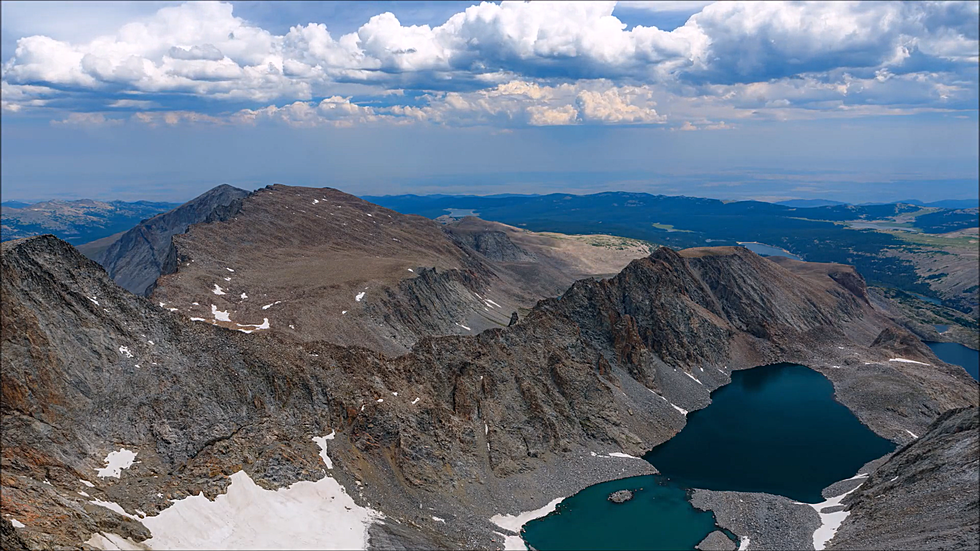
(142, 254)
(716, 541)
(621, 496)
(926, 496)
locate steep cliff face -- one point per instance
(926, 496)
(140, 255)
(463, 426)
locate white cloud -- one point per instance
(529, 63)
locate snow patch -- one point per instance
(693, 378)
(305, 515)
(415, 401)
(743, 543)
(359, 296)
(198, 319)
(912, 433)
(411, 270)
(116, 462)
(464, 327)
(244, 296)
(267, 306)
(903, 360)
(830, 522)
(86, 482)
(515, 522)
(16, 523)
(322, 442)
(229, 269)
(263, 325)
(124, 350)
(680, 409)
(493, 303)
(219, 315)
(623, 455)
(315, 201)
(437, 519)
(93, 300)
(217, 290)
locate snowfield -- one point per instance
(306, 515)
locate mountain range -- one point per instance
(302, 347)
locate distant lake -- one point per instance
(774, 429)
(956, 353)
(762, 249)
(460, 213)
(930, 300)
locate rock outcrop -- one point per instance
(140, 255)
(926, 496)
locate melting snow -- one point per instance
(306, 515)
(359, 296)
(912, 433)
(322, 442)
(693, 378)
(19, 524)
(903, 360)
(830, 522)
(743, 543)
(83, 494)
(623, 455)
(264, 325)
(217, 290)
(219, 315)
(116, 462)
(267, 306)
(680, 409)
(87, 483)
(515, 522)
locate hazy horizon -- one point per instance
(164, 100)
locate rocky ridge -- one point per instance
(138, 257)
(465, 426)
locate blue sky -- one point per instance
(163, 100)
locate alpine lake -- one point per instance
(774, 429)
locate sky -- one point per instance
(873, 101)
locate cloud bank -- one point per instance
(512, 64)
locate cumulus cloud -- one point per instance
(523, 63)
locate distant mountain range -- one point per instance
(945, 204)
(77, 222)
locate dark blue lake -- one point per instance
(774, 429)
(956, 353)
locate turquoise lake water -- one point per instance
(774, 429)
(956, 353)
